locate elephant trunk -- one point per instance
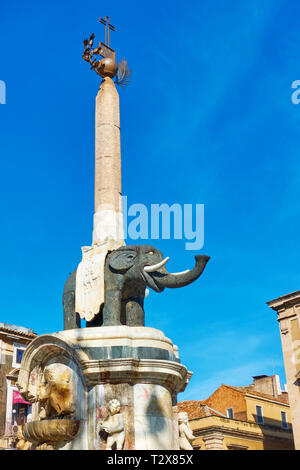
(165, 279)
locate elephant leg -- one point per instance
(135, 315)
(71, 318)
(112, 308)
(123, 312)
(97, 321)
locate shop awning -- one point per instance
(17, 398)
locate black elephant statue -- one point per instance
(128, 271)
(71, 318)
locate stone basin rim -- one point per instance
(115, 332)
(51, 430)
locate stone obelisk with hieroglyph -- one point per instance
(108, 232)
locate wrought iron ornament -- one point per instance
(107, 66)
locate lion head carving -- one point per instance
(57, 391)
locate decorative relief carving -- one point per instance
(89, 281)
(89, 292)
(56, 396)
(56, 392)
(186, 435)
(113, 425)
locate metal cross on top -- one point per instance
(107, 67)
(108, 27)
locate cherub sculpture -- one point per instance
(113, 425)
(185, 433)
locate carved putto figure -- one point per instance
(113, 425)
(185, 433)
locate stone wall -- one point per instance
(288, 310)
(5, 367)
(12, 337)
(226, 397)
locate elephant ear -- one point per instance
(122, 260)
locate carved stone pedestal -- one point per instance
(76, 374)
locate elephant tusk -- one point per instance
(155, 267)
(179, 274)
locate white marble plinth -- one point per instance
(138, 366)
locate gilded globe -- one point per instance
(108, 67)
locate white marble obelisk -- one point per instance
(108, 232)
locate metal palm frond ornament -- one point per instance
(124, 74)
(107, 66)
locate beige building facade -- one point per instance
(242, 418)
(288, 311)
(13, 409)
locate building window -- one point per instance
(229, 413)
(259, 415)
(18, 354)
(284, 422)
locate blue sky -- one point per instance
(207, 118)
